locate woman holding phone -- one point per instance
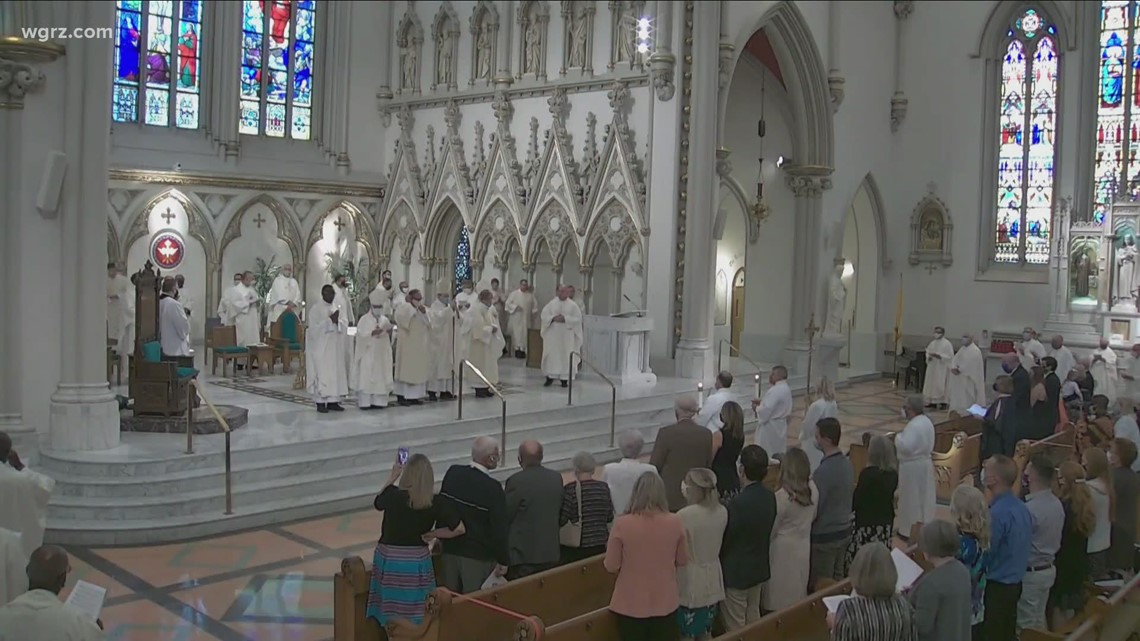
(402, 574)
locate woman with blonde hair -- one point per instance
(646, 546)
(1100, 482)
(790, 550)
(822, 407)
(970, 512)
(874, 498)
(701, 583)
(875, 611)
(1067, 595)
(726, 446)
(402, 573)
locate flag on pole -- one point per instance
(898, 316)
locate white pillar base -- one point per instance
(824, 362)
(694, 359)
(84, 418)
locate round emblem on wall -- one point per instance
(167, 249)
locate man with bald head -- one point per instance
(679, 448)
(534, 502)
(38, 614)
(469, 559)
(1065, 359)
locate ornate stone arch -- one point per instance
(997, 23)
(286, 228)
(732, 190)
(197, 224)
(401, 228)
(114, 250)
(614, 231)
(496, 230)
(552, 225)
(365, 233)
(813, 143)
(879, 217)
(440, 227)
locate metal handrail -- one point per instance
(459, 392)
(733, 348)
(613, 390)
(195, 386)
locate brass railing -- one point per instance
(195, 387)
(495, 390)
(613, 390)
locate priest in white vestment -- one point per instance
(709, 415)
(445, 352)
(823, 407)
(1030, 351)
(285, 295)
(1103, 370)
(1130, 372)
(485, 342)
(967, 377)
(225, 304)
(561, 335)
(466, 296)
(173, 326)
(39, 614)
(385, 292)
(372, 362)
(939, 353)
(915, 444)
(413, 349)
(772, 413)
(1065, 359)
(343, 299)
(326, 353)
(245, 305)
(520, 306)
(24, 496)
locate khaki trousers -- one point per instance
(741, 607)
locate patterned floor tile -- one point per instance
(354, 528)
(146, 621)
(81, 571)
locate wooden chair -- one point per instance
(227, 350)
(157, 385)
(114, 362)
(287, 336)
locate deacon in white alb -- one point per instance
(444, 343)
(225, 305)
(709, 416)
(1065, 359)
(245, 307)
(466, 296)
(1130, 372)
(120, 310)
(173, 326)
(561, 335)
(914, 445)
(772, 413)
(1103, 370)
(485, 342)
(520, 307)
(499, 302)
(343, 300)
(938, 355)
(413, 349)
(823, 407)
(326, 353)
(182, 296)
(385, 292)
(284, 295)
(372, 362)
(967, 377)
(1030, 351)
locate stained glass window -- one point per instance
(277, 68)
(1027, 118)
(462, 258)
(157, 54)
(1116, 174)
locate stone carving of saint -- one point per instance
(577, 56)
(444, 59)
(1084, 275)
(836, 303)
(627, 36)
(533, 44)
(483, 53)
(1126, 270)
(408, 72)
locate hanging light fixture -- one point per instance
(760, 208)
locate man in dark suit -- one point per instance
(999, 431)
(1022, 384)
(679, 448)
(744, 550)
(469, 559)
(534, 500)
(1052, 397)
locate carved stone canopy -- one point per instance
(931, 232)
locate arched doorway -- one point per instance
(737, 307)
(862, 255)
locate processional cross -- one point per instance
(811, 330)
(168, 216)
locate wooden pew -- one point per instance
(1115, 618)
(1060, 447)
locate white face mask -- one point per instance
(965, 340)
(1026, 336)
(684, 488)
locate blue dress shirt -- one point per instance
(1011, 536)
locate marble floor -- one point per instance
(275, 583)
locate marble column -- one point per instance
(84, 412)
(808, 278)
(20, 75)
(663, 63)
(332, 106)
(387, 26)
(222, 109)
(694, 353)
(503, 77)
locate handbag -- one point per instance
(570, 534)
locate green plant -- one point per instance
(264, 274)
(355, 272)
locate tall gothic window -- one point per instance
(277, 68)
(1116, 173)
(1027, 115)
(462, 257)
(157, 55)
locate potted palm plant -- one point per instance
(354, 270)
(264, 273)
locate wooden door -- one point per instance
(737, 307)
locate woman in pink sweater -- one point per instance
(646, 546)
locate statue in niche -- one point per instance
(627, 35)
(483, 53)
(1083, 274)
(443, 58)
(1126, 269)
(930, 231)
(533, 44)
(836, 301)
(577, 56)
(408, 67)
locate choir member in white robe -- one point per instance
(823, 407)
(939, 352)
(1130, 372)
(1065, 359)
(343, 300)
(520, 306)
(284, 295)
(485, 342)
(499, 302)
(173, 326)
(385, 292)
(225, 305)
(561, 335)
(39, 614)
(245, 305)
(372, 362)
(120, 310)
(1103, 371)
(967, 377)
(24, 496)
(466, 296)
(1030, 351)
(326, 353)
(445, 352)
(914, 445)
(772, 413)
(413, 349)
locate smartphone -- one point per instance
(402, 455)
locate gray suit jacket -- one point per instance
(679, 448)
(534, 501)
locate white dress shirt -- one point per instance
(709, 416)
(621, 477)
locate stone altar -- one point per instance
(619, 346)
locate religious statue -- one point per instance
(1126, 269)
(627, 36)
(483, 53)
(836, 302)
(1084, 275)
(408, 72)
(443, 60)
(532, 48)
(577, 57)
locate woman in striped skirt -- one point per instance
(402, 574)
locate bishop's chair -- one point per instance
(287, 336)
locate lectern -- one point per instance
(618, 345)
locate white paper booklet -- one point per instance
(87, 598)
(908, 570)
(977, 410)
(832, 602)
